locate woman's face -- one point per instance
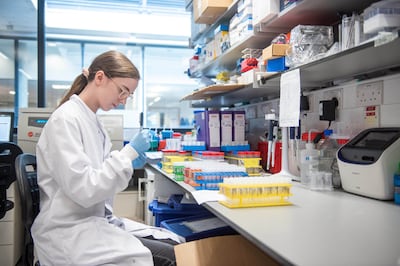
(115, 91)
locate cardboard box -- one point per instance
(226, 127)
(220, 38)
(248, 76)
(208, 11)
(233, 250)
(209, 51)
(208, 126)
(274, 51)
(239, 124)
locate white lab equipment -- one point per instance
(32, 120)
(30, 124)
(368, 162)
(114, 124)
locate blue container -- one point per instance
(179, 227)
(167, 134)
(396, 180)
(174, 202)
(235, 148)
(397, 189)
(276, 65)
(162, 211)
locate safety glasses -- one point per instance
(123, 92)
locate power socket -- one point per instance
(334, 93)
(369, 93)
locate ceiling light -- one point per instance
(60, 86)
(12, 92)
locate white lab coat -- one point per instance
(77, 176)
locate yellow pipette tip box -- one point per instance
(244, 195)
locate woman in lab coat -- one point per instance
(78, 177)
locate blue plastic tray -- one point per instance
(178, 226)
(162, 211)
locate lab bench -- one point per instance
(319, 228)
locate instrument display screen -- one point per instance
(376, 139)
(37, 121)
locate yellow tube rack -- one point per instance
(255, 194)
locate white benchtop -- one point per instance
(320, 228)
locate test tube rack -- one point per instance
(255, 192)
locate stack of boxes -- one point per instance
(274, 56)
(170, 157)
(221, 130)
(264, 11)
(221, 39)
(241, 24)
(250, 160)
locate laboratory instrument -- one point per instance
(368, 161)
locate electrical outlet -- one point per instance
(371, 116)
(334, 93)
(369, 93)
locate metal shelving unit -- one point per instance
(356, 63)
(372, 58)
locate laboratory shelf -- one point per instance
(212, 90)
(370, 59)
(208, 32)
(352, 63)
(308, 12)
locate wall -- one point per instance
(351, 112)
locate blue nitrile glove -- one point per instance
(139, 162)
(141, 141)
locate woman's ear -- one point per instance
(99, 77)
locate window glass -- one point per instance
(165, 84)
(63, 65)
(27, 87)
(7, 93)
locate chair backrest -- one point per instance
(8, 153)
(25, 167)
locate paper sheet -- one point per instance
(289, 103)
(202, 196)
(153, 155)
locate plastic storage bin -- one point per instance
(190, 228)
(163, 211)
(383, 15)
(276, 64)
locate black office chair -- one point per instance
(8, 152)
(25, 167)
